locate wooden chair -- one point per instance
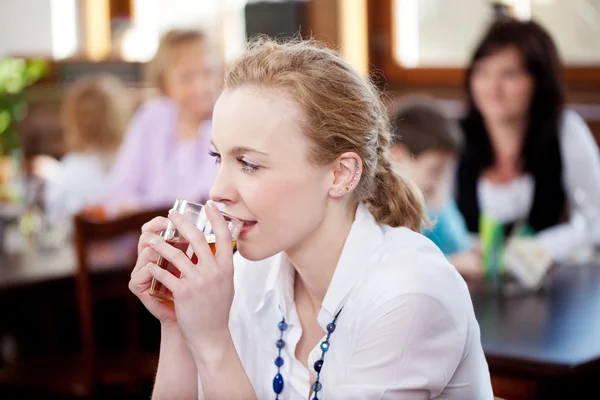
(85, 373)
(131, 367)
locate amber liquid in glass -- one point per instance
(159, 290)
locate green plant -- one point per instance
(16, 74)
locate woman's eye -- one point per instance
(216, 156)
(247, 167)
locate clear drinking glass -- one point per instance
(196, 213)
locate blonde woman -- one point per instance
(334, 293)
(94, 114)
(165, 153)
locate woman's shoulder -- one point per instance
(411, 264)
(83, 161)
(575, 134)
(571, 118)
(572, 125)
(156, 108)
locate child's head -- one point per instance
(184, 69)
(425, 144)
(94, 114)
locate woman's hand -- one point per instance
(141, 279)
(469, 265)
(204, 293)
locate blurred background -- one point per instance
(80, 76)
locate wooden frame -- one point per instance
(381, 58)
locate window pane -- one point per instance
(442, 33)
(437, 33)
(574, 26)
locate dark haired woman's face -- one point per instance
(501, 86)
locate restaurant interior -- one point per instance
(69, 325)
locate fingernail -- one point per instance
(211, 204)
(154, 241)
(171, 211)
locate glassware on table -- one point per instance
(195, 213)
(585, 219)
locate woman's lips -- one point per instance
(248, 225)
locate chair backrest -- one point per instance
(87, 232)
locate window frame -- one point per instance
(381, 59)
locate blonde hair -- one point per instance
(171, 45)
(94, 114)
(343, 112)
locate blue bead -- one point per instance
(279, 361)
(325, 346)
(278, 383)
(318, 365)
(280, 343)
(331, 327)
(315, 398)
(283, 326)
(317, 386)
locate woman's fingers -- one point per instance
(194, 237)
(140, 279)
(169, 280)
(155, 225)
(223, 235)
(150, 229)
(146, 256)
(179, 259)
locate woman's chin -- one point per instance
(254, 251)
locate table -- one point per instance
(36, 266)
(33, 267)
(549, 337)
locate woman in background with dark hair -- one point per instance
(527, 157)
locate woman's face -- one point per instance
(502, 88)
(265, 177)
(191, 80)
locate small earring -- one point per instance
(355, 178)
(357, 164)
(347, 188)
(340, 191)
(352, 185)
(358, 171)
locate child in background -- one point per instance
(94, 114)
(426, 146)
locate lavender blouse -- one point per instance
(153, 167)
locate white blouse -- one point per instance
(407, 329)
(511, 201)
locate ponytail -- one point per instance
(397, 201)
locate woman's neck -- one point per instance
(188, 126)
(316, 258)
(507, 140)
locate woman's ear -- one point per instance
(347, 173)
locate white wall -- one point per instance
(25, 28)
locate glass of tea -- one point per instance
(195, 213)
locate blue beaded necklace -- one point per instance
(280, 344)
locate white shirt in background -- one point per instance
(407, 329)
(81, 180)
(511, 201)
